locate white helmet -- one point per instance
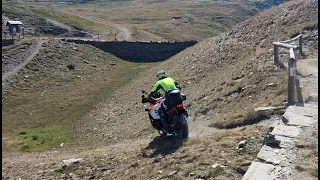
(161, 74)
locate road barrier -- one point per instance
(292, 65)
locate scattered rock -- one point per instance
(311, 98)
(63, 176)
(284, 119)
(74, 176)
(216, 167)
(71, 67)
(241, 144)
(270, 140)
(271, 85)
(69, 162)
(172, 173)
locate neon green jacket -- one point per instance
(165, 84)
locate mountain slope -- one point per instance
(224, 78)
(146, 21)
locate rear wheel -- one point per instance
(185, 130)
(182, 128)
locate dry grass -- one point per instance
(184, 159)
(309, 160)
(156, 18)
(49, 102)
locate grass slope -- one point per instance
(170, 20)
(39, 112)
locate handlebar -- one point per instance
(156, 97)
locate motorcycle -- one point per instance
(176, 114)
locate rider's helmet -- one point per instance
(161, 74)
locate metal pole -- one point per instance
(276, 55)
(292, 71)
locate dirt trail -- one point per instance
(15, 70)
(309, 71)
(123, 33)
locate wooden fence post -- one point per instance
(292, 71)
(300, 44)
(276, 55)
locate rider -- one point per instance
(166, 84)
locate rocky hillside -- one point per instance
(224, 77)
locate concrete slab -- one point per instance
(285, 141)
(301, 116)
(260, 171)
(269, 108)
(271, 155)
(295, 119)
(288, 131)
(308, 110)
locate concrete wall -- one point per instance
(7, 42)
(139, 51)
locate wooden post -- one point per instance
(292, 71)
(23, 32)
(276, 55)
(300, 44)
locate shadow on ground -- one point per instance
(162, 146)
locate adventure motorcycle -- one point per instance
(176, 113)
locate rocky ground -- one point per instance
(224, 77)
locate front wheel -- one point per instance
(183, 129)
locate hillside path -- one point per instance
(298, 124)
(15, 70)
(123, 32)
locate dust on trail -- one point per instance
(200, 128)
(16, 69)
